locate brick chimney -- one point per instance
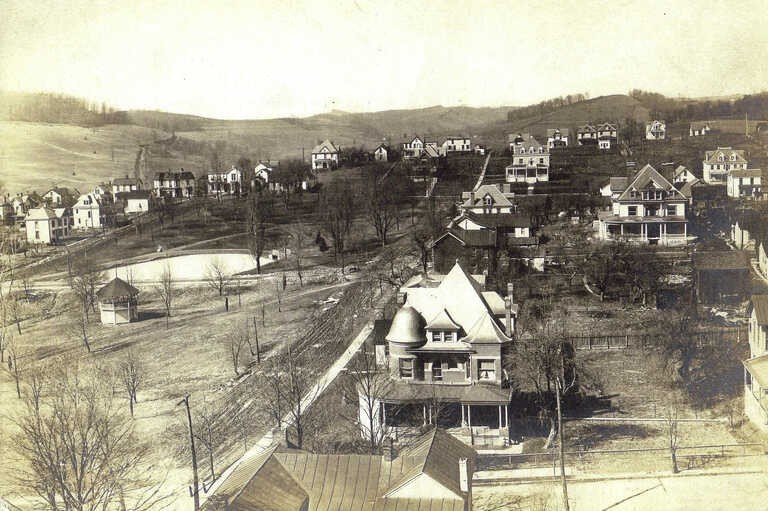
(464, 475)
(388, 449)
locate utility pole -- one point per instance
(256, 335)
(194, 491)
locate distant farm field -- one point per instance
(37, 156)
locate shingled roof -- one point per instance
(116, 289)
(759, 303)
(721, 260)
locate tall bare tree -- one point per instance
(217, 276)
(166, 289)
(15, 361)
(207, 433)
(298, 235)
(131, 375)
(259, 210)
(81, 452)
(382, 208)
(236, 342)
(336, 209)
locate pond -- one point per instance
(188, 267)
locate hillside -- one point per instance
(36, 156)
(283, 138)
(604, 108)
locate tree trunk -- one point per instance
(566, 506)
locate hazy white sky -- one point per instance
(266, 58)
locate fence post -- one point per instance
(626, 343)
(589, 340)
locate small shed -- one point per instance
(721, 276)
(118, 302)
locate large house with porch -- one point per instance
(174, 185)
(586, 135)
(448, 344)
(93, 211)
(453, 145)
(530, 160)
(126, 184)
(557, 137)
(756, 367)
(325, 156)
(719, 162)
(47, 226)
(607, 135)
(744, 184)
(649, 210)
(225, 182)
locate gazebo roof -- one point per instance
(116, 289)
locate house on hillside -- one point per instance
(47, 226)
(263, 170)
(432, 472)
(22, 203)
(325, 156)
(756, 367)
(292, 179)
(488, 199)
(453, 145)
(721, 276)
(607, 135)
(380, 153)
(746, 224)
(225, 182)
(118, 302)
(717, 163)
(92, 211)
(614, 187)
(480, 149)
(649, 210)
(413, 148)
(135, 202)
(174, 185)
(699, 129)
(586, 135)
(448, 343)
(655, 130)
(682, 175)
(744, 184)
(530, 160)
(557, 137)
(60, 196)
(475, 249)
(126, 184)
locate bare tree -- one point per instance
(236, 342)
(167, 290)
(86, 280)
(336, 212)
(368, 383)
(207, 433)
(131, 375)
(15, 357)
(381, 207)
(5, 338)
(217, 276)
(79, 328)
(81, 453)
(671, 422)
(258, 214)
(298, 239)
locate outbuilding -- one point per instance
(118, 302)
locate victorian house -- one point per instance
(452, 145)
(586, 135)
(649, 210)
(174, 184)
(744, 184)
(530, 160)
(93, 211)
(448, 344)
(756, 367)
(325, 155)
(719, 162)
(557, 137)
(607, 135)
(656, 130)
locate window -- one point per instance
(487, 369)
(631, 210)
(453, 364)
(437, 370)
(406, 368)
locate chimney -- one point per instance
(508, 322)
(464, 475)
(472, 196)
(388, 449)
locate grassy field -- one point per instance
(36, 156)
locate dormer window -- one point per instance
(487, 200)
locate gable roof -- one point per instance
(499, 199)
(431, 151)
(461, 297)
(442, 321)
(495, 220)
(587, 128)
(126, 181)
(680, 170)
(258, 482)
(758, 368)
(553, 131)
(618, 183)
(721, 260)
(645, 177)
(327, 145)
(759, 303)
(116, 288)
(527, 141)
(471, 238)
(133, 194)
(40, 214)
(745, 173)
(606, 126)
(727, 152)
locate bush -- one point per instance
(534, 445)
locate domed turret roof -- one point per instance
(406, 327)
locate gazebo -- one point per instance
(118, 302)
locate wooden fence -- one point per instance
(643, 340)
(688, 456)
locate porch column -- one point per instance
(424, 413)
(430, 414)
(685, 229)
(469, 415)
(500, 417)
(506, 416)
(621, 229)
(464, 416)
(384, 415)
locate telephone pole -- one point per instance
(194, 491)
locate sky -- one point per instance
(271, 58)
